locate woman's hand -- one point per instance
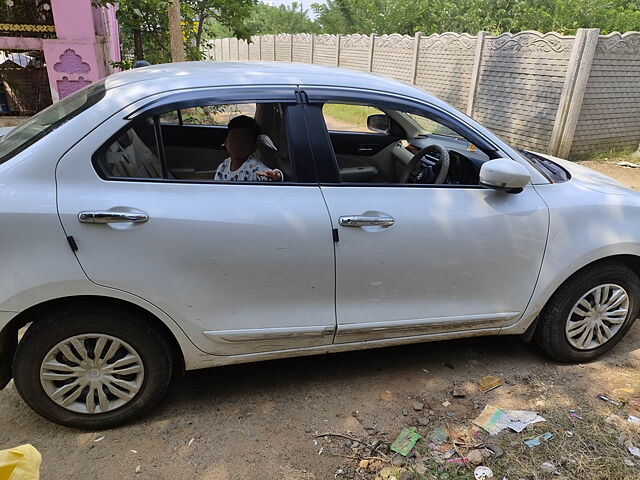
(273, 175)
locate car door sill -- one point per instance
(359, 332)
(205, 361)
(233, 342)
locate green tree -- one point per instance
(266, 19)
(144, 26)
(495, 16)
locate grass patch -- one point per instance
(625, 154)
(356, 115)
(588, 448)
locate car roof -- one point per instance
(155, 78)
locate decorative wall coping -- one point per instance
(355, 40)
(395, 40)
(530, 40)
(627, 43)
(447, 41)
(326, 39)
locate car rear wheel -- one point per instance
(92, 367)
(590, 313)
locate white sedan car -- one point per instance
(398, 220)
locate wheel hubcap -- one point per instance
(597, 316)
(92, 373)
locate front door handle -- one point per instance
(112, 216)
(366, 221)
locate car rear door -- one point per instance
(242, 268)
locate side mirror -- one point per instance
(504, 174)
(379, 123)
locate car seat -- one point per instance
(129, 156)
(272, 147)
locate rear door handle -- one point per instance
(112, 216)
(366, 221)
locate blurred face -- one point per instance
(239, 143)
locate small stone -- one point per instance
(629, 463)
(475, 457)
(138, 470)
(458, 392)
(405, 412)
(446, 403)
(385, 473)
(509, 381)
(397, 461)
(406, 476)
(393, 477)
(418, 406)
(549, 468)
(363, 464)
(423, 421)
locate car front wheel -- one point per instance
(589, 313)
(92, 367)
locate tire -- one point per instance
(116, 393)
(560, 331)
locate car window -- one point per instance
(429, 126)
(169, 146)
(342, 117)
(132, 154)
(212, 115)
(49, 119)
(418, 151)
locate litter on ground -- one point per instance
(482, 473)
(489, 383)
(535, 441)
(493, 420)
(405, 441)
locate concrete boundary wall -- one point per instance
(567, 95)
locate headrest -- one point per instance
(126, 138)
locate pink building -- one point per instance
(77, 41)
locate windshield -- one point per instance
(48, 120)
(429, 127)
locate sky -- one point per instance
(306, 4)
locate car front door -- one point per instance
(242, 267)
(427, 259)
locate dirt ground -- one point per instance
(629, 176)
(264, 421)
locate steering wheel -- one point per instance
(429, 165)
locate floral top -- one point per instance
(246, 173)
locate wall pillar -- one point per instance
(475, 73)
(372, 41)
(575, 84)
(416, 55)
(74, 59)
